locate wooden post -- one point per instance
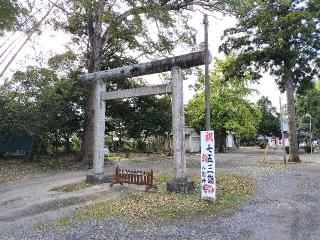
(98, 174)
(178, 124)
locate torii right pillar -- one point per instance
(180, 183)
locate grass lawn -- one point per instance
(279, 164)
(161, 206)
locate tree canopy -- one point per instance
(8, 14)
(43, 103)
(230, 110)
(308, 104)
(47, 104)
(108, 31)
(270, 122)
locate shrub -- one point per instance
(263, 144)
(307, 148)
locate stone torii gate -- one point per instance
(174, 64)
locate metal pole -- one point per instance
(310, 134)
(207, 82)
(282, 133)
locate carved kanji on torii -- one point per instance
(174, 64)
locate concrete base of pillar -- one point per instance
(96, 178)
(181, 185)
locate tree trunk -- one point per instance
(95, 35)
(292, 124)
(56, 137)
(222, 145)
(36, 149)
(67, 144)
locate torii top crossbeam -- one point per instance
(158, 66)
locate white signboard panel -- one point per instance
(208, 176)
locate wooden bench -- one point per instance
(134, 177)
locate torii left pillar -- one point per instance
(98, 174)
(178, 138)
(180, 183)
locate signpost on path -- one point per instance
(208, 175)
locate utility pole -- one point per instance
(207, 81)
(311, 142)
(282, 133)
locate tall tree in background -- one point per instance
(282, 37)
(44, 103)
(110, 29)
(270, 122)
(230, 110)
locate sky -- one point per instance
(50, 42)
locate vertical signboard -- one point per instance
(208, 172)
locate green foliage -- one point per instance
(282, 37)
(307, 148)
(149, 28)
(263, 144)
(229, 108)
(135, 118)
(309, 104)
(270, 122)
(138, 118)
(127, 29)
(8, 14)
(48, 104)
(45, 104)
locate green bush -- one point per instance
(263, 144)
(307, 148)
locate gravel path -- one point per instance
(286, 206)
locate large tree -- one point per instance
(139, 118)
(230, 110)
(270, 122)
(45, 103)
(282, 37)
(110, 29)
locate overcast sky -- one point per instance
(49, 43)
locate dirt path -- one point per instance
(30, 201)
(286, 205)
